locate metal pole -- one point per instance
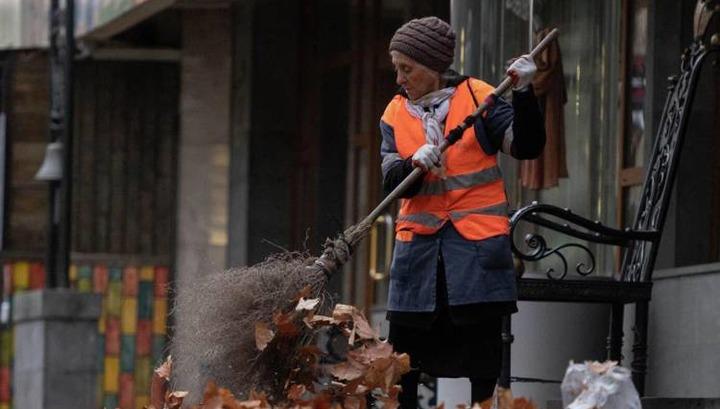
(64, 242)
(55, 130)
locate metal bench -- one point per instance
(633, 283)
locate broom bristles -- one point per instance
(215, 317)
(214, 334)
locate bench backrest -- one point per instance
(639, 259)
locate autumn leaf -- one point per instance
(159, 383)
(367, 353)
(522, 403)
(344, 312)
(486, 404)
(285, 325)
(296, 392)
(504, 398)
(354, 402)
(391, 400)
(317, 320)
(174, 400)
(165, 369)
(354, 387)
(362, 328)
(263, 335)
(260, 396)
(347, 370)
(307, 304)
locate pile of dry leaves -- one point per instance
(368, 371)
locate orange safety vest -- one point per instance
(472, 194)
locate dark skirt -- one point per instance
(452, 351)
(453, 341)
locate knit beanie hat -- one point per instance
(428, 40)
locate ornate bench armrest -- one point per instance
(564, 221)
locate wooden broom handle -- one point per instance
(455, 134)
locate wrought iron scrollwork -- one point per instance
(545, 215)
(541, 250)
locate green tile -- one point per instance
(143, 371)
(145, 300)
(127, 354)
(115, 274)
(110, 401)
(114, 298)
(6, 350)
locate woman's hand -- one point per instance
(426, 157)
(522, 71)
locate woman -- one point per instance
(452, 276)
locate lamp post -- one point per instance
(57, 166)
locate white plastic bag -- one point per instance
(595, 385)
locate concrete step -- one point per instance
(664, 403)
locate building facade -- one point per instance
(213, 133)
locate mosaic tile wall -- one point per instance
(132, 327)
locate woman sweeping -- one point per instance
(452, 276)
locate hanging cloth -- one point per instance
(549, 84)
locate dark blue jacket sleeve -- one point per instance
(394, 168)
(528, 128)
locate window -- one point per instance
(491, 32)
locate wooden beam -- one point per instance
(126, 20)
(202, 4)
(136, 54)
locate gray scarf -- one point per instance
(432, 109)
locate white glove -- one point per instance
(522, 71)
(426, 157)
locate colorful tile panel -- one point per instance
(132, 327)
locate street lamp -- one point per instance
(56, 169)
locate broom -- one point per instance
(214, 331)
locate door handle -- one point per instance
(385, 221)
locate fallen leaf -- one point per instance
(601, 367)
(285, 325)
(522, 403)
(174, 400)
(317, 320)
(260, 396)
(354, 402)
(263, 335)
(351, 337)
(346, 371)
(296, 392)
(504, 398)
(369, 352)
(362, 327)
(307, 304)
(165, 369)
(159, 384)
(344, 312)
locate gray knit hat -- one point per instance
(428, 40)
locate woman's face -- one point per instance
(415, 78)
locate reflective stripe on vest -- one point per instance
(468, 180)
(431, 221)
